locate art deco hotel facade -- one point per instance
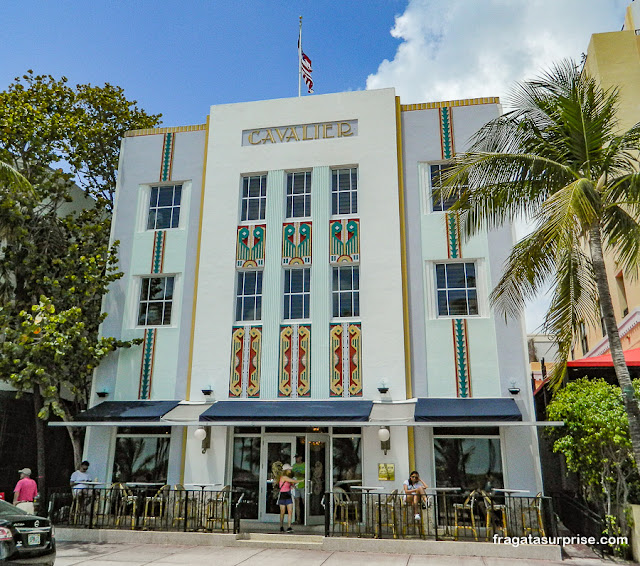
(296, 287)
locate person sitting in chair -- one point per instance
(414, 489)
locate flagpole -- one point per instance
(300, 59)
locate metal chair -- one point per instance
(459, 511)
(387, 511)
(181, 504)
(126, 504)
(535, 509)
(155, 506)
(344, 509)
(218, 510)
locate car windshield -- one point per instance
(8, 509)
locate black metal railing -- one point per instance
(581, 520)
(475, 516)
(165, 508)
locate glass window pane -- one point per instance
(144, 289)
(258, 313)
(153, 197)
(334, 203)
(165, 196)
(156, 288)
(305, 313)
(457, 302)
(473, 302)
(141, 459)
(239, 308)
(336, 274)
(163, 218)
(151, 223)
(167, 313)
(442, 303)
(154, 314)
(354, 202)
(250, 283)
(289, 208)
(307, 279)
(336, 304)
(356, 304)
(142, 314)
(253, 209)
(287, 308)
(470, 463)
(345, 203)
(259, 282)
(297, 306)
(455, 276)
(471, 274)
(345, 278)
(177, 195)
(175, 219)
(356, 278)
(440, 276)
(345, 304)
(168, 294)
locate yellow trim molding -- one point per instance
(450, 103)
(175, 130)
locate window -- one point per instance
(299, 194)
(156, 299)
(254, 197)
(584, 343)
(297, 291)
(164, 207)
(439, 203)
(346, 291)
(470, 463)
(344, 191)
(249, 295)
(456, 288)
(141, 457)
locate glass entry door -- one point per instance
(276, 451)
(316, 484)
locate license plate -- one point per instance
(33, 540)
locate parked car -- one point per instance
(25, 538)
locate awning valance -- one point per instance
(631, 357)
(470, 410)
(289, 411)
(122, 411)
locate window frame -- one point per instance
(261, 198)
(173, 207)
(288, 295)
(244, 297)
(290, 197)
(447, 289)
(352, 191)
(338, 294)
(172, 301)
(444, 205)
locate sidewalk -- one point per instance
(117, 554)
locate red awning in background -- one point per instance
(632, 357)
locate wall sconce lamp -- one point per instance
(102, 394)
(203, 434)
(514, 389)
(383, 387)
(384, 434)
(207, 391)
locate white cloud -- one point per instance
(466, 49)
(454, 49)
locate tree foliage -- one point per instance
(559, 160)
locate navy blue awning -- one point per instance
(289, 411)
(126, 411)
(477, 409)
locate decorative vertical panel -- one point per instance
(296, 243)
(246, 349)
(295, 357)
(446, 133)
(146, 366)
(344, 241)
(166, 163)
(250, 246)
(461, 356)
(452, 222)
(157, 256)
(346, 360)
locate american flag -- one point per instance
(305, 67)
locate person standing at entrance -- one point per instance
(298, 491)
(25, 491)
(286, 482)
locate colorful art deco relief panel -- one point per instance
(446, 133)
(157, 255)
(166, 163)
(344, 243)
(250, 246)
(461, 355)
(452, 224)
(346, 360)
(146, 366)
(246, 349)
(296, 243)
(295, 361)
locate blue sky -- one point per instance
(178, 58)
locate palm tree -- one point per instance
(559, 160)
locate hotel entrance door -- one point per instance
(277, 450)
(317, 477)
